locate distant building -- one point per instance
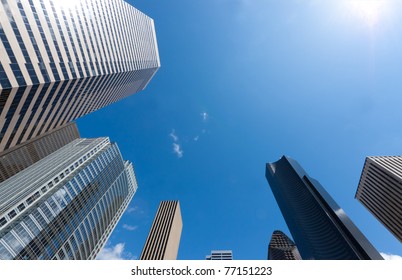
(319, 227)
(59, 62)
(164, 237)
(380, 191)
(21, 156)
(281, 247)
(220, 255)
(66, 205)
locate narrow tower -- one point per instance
(164, 237)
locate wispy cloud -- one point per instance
(196, 138)
(112, 252)
(174, 136)
(204, 116)
(129, 228)
(176, 146)
(177, 150)
(391, 257)
(132, 209)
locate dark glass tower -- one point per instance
(281, 247)
(320, 228)
(66, 205)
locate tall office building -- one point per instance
(320, 228)
(21, 156)
(380, 191)
(281, 247)
(60, 60)
(220, 255)
(164, 237)
(66, 205)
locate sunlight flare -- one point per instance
(369, 11)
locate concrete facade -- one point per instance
(59, 62)
(380, 191)
(164, 237)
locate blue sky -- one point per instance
(242, 83)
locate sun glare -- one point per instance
(370, 11)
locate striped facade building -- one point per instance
(281, 247)
(319, 227)
(21, 156)
(60, 60)
(380, 191)
(66, 205)
(164, 237)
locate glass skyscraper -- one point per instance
(62, 59)
(66, 205)
(319, 227)
(281, 247)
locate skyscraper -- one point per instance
(66, 205)
(21, 156)
(220, 255)
(320, 228)
(380, 191)
(164, 237)
(281, 247)
(60, 60)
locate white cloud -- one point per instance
(177, 150)
(204, 116)
(391, 257)
(129, 228)
(176, 146)
(196, 138)
(174, 136)
(132, 209)
(112, 252)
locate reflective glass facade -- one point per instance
(68, 210)
(60, 60)
(319, 227)
(281, 247)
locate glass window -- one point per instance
(31, 225)
(14, 244)
(12, 214)
(4, 253)
(3, 221)
(21, 207)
